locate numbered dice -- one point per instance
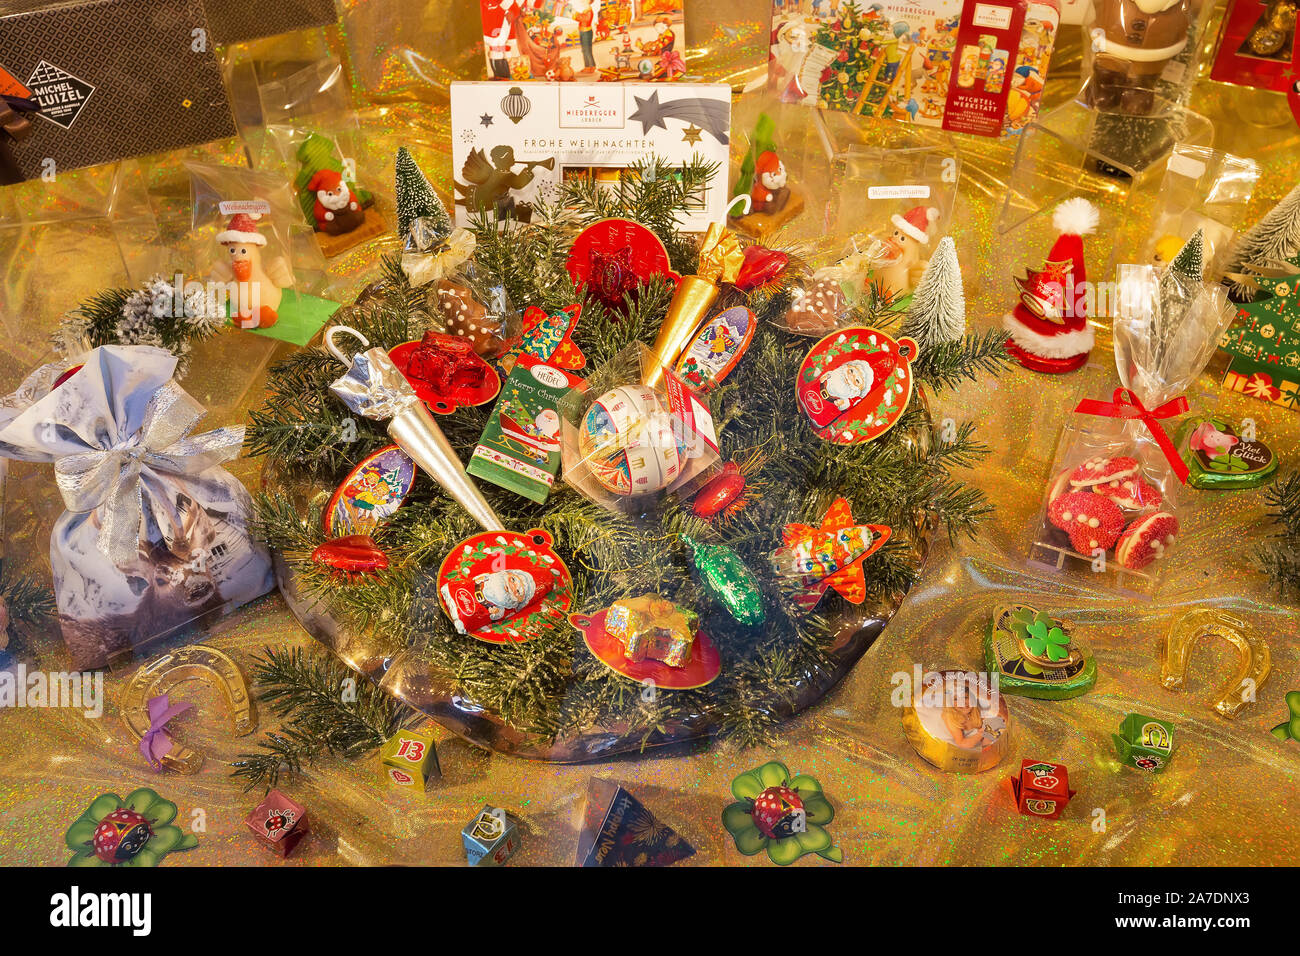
(1145, 743)
(278, 823)
(490, 839)
(1042, 789)
(410, 760)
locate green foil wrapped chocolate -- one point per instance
(1034, 656)
(1144, 742)
(1218, 457)
(727, 580)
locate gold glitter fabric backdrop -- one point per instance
(1227, 797)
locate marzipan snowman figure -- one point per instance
(258, 286)
(1132, 42)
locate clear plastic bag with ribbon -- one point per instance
(156, 532)
(1111, 504)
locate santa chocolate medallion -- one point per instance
(855, 384)
(503, 587)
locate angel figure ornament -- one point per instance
(1132, 42)
(259, 284)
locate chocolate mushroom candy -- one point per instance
(815, 309)
(465, 316)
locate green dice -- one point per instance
(410, 760)
(1145, 743)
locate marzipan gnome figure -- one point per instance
(1132, 42)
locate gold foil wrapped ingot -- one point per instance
(650, 627)
(373, 387)
(721, 257)
(1255, 660)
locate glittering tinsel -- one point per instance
(148, 315)
(551, 686)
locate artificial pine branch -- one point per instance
(329, 711)
(1264, 246)
(26, 602)
(947, 364)
(147, 315)
(1281, 557)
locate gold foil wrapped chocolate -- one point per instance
(650, 627)
(721, 257)
(373, 387)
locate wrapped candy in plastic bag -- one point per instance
(1112, 502)
(156, 534)
(460, 297)
(624, 443)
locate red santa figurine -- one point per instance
(1048, 327)
(337, 210)
(770, 192)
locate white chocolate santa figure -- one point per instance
(337, 209)
(258, 285)
(898, 259)
(770, 191)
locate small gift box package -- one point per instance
(155, 535)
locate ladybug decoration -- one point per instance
(778, 812)
(120, 836)
(278, 820)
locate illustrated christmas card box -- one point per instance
(971, 67)
(514, 144)
(584, 39)
(114, 78)
(1263, 345)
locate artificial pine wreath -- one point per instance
(549, 697)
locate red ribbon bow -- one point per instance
(1128, 405)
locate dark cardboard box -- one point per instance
(234, 21)
(115, 78)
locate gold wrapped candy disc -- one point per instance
(194, 662)
(1190, 629)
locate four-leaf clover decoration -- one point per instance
(1047, 642)
(137, 831)
(784, 815)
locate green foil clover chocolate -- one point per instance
(1034, 656)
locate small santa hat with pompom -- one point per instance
(242, 229)
(916, 222)
(1048, 327)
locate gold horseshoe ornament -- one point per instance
(193, 662)
(1253, 668)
